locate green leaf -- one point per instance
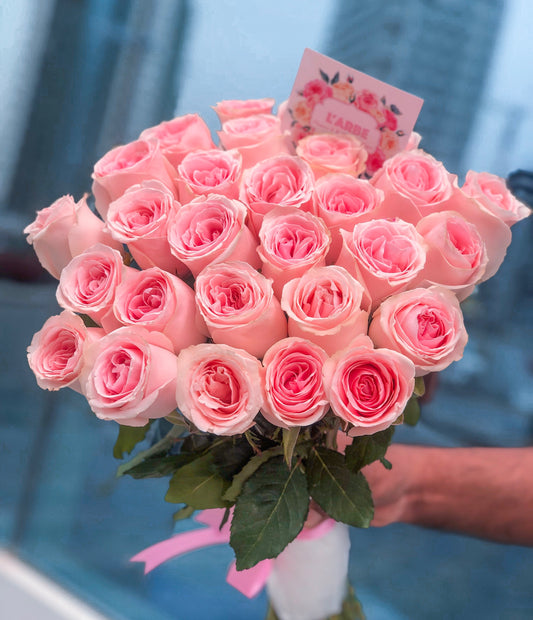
(386, 464)
(198, 484)
(420, 386)
(159, 466)
(183, 513)
(335, 78)
(367, 449)
(231, 456)
(324, 76)
(343, 494)
(411, 413)
(290, 437)
(128, 438)
(87, 321)
(269, 513)
(351, 608)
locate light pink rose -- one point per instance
(292, 242)
(209, 172)
(56, 351)
(219, 388)
(342, 201)
(159, 301)
(128, 165)
(239, 108)
(386, 256)
(368, 388)
(324, 306)
(139, 219)
(425, 325)
(456, 256)
(255, 137)
(492, 192)
(88, 283)
(329, 152)
(293, 388)
(413, 141)
(239, 307)
(130, 376)
(64, 230)
(179, 136)
(367, 101)
(281, 181)
(212, 229)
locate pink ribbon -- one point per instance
(248, 582)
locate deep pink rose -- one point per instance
(328, 152)
(130, 376)
(366, 101)
(292, 242)
(316, 91)
(209, 172)
(239, 307)
(159, 301)
(179, 136)
(391, 121)
(128, 165)
(238, 108)
(212, 229)
(64, 230)
(375, 161)
(368, 388)
(56, 351)
(219, 388)
(386, 256)
(139, 218)
(293, 388)
(325, 307)
(426, 325)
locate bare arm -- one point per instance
(482, 492)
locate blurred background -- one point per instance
(80, 76)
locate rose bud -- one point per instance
(327, 153)
(235, 108)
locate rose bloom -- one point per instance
(237, 108)
(281, 181)
(385, 255)
(426, 325)
(492, 192)
(56, 351)
(292, 242)
(212, 229)
(219, 389)
(316, 91)
(368, 388)
(413, 141)
(139, 218)
(456, 256)
(293, 388)
(302, 112)
(343, 91)
(130, 376)
(209, 172)
(179, 136)
(366, 101)
(391, 121)
(375, 161)
(388, 141)
(239, 307)
(324, 306)
(64, 230)
(159, 301)
(342, 201)
(88, 283)
(128, 165)
(326, 153)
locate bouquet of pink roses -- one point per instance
(265, 300)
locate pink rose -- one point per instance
(342, 201)
(209, 172)
(236, 108)
(281, 181)
(368, 388)
(366, 101)
(139, 219)
(391, 120)
(158, 301)
(386, 256)
(413, 141)
(219, 389)
(293, 388)
(212, 229)
(292, 242)
(425, 325)
(326, 153)
(239, 307)
(324, 306)
(179, 136)
(128, 165)
(64, 230)
(88, 283)
(316, 91)
(130, 376)
(375, 161)
(56, 351)
(492, 192)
